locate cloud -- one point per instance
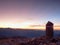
(35, 25)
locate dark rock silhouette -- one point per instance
(49, 29)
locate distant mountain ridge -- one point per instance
(8, 32)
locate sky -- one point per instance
(29, 13)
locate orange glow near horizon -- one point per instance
(16, 25)
(25, 25)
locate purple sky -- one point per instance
(34, 12)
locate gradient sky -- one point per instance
(24, 13)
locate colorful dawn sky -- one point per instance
(29, 14)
